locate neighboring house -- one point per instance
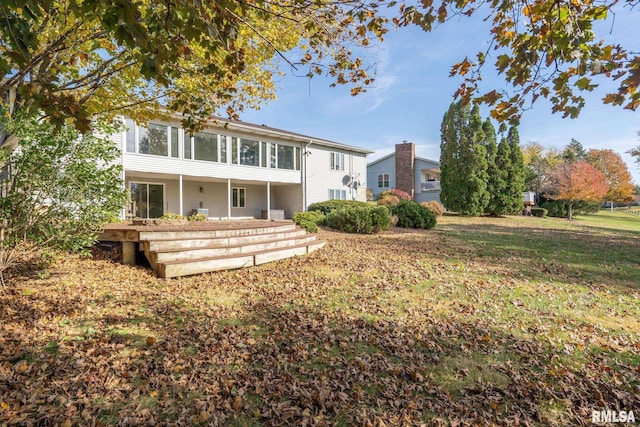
(234, 170)
(403, 170)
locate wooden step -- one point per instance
(159, 245)
(209, 264)
(210, 234)
(217, 250)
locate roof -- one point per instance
(269, 131)
(424, 159)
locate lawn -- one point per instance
(504, 321)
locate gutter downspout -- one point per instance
(303, 174)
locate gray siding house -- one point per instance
(401, 169)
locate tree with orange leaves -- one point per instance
(578, 182)
(619, 180)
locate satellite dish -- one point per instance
(347, 180)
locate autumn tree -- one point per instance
(539, 163)
(543, 49)
(619, 180)
(463, 161)
(71, 60)
(578, 182)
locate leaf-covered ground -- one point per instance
(512, 321)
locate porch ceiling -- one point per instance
(173, 177)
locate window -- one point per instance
(263, 154)
(297, 158)
(285, 157)
(337, 161)
(153, 140)
(272, 156)
(205, 146)
(174, 142)
(383, 180)
(337, 194)
(223, 149)
(249, 152)
(131, 136)
(238, 197)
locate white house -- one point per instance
(401, 169)
(234, 170)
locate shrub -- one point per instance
(310, 226)
(434, 206)
(539, 212)
(59, 189)
(388, 200)
(413, 215)
(401, 195)
(555, 209)
(198, 217)
(171, 215)
(365, 219)
(310, 220)
(586, 208)
(331, 205)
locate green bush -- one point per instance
(413, 215)
(539, 212)
(310, 226)
(331, 205)
(362, 219)
(310, 220)
(555, 209)
(586, 208)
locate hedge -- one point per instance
(413, 215)
(362, 219)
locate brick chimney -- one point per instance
(405, 160)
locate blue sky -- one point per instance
(412, 91)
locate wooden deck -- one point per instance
(180, 249)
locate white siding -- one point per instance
(287, 198)
(428, 195)
(287, 188)
(320, 178)
(388, 166)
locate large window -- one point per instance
(286, 157)
(337, 161)
(156, 140)
(205, 146)
(238, 197)
(383, 180)
(249, 152)
(337, 194)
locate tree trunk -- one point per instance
(569, 212)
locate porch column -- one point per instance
(229, 198)
(180, 195)
(268, 200)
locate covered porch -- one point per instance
(153, 195)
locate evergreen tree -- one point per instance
(503, 166)
(463, 161)
(515, 174)
(574, 152)
(495, 176)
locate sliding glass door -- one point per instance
(148, 199)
